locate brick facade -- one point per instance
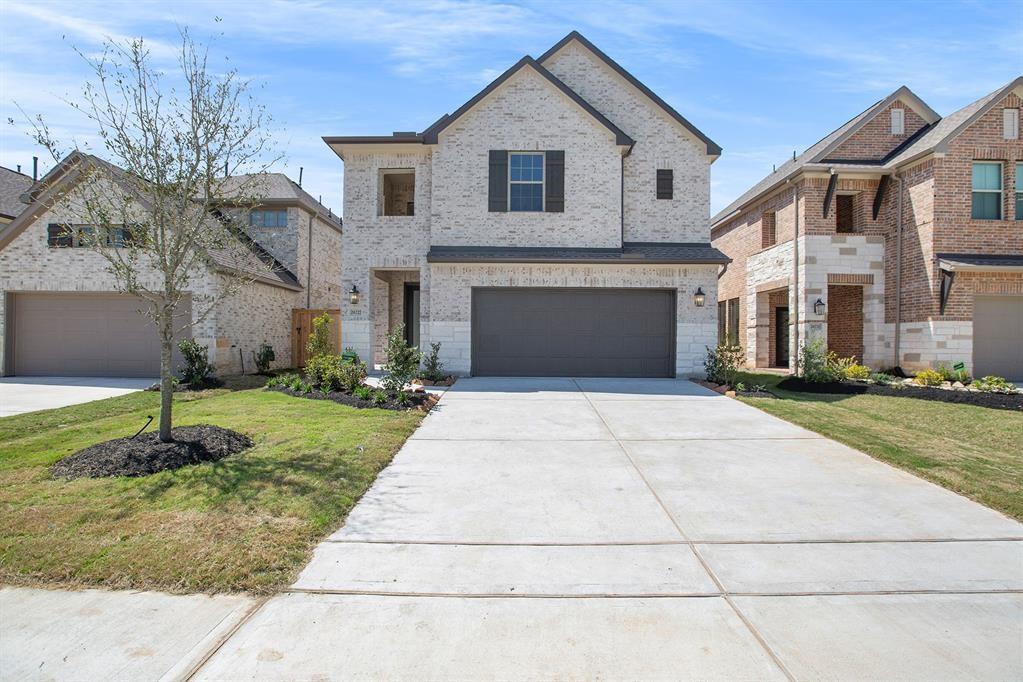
(936, 206)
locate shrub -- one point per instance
(283, 380)
(432, 366)
(319, 340)
(263, 358)
(760, 388)
(882, 379)
(722, 363)
(379, 397)
(197, 362)
(740, 387)
(855, 371)
(402, 398)
(296, 383)
(402, 361)
(363, 393)
(993, 384)
(928, 377)
(821, 366)
(331, 373)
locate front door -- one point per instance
(781, 337)
(412, 314)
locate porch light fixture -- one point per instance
(818, 308)
(353, 295)
(698, 298)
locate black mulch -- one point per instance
(756, 394)
(146, 454)
(1000, 401)
(416, 400)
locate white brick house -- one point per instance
(61, 313)
(555, 224)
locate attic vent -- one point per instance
(898, 121)
(1010, 124)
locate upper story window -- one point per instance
(1010, 124)
(268, 218)
(845, 213)
(1019, 191)
(397, 191)
(525, 181)
(898, 121)
(65, 236)
(768, 230)
(665, 183)
(987, 190)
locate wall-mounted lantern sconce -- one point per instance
(818, 307)
(698, 298)
(353, 295)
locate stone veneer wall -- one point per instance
(661, 142)
(451, 298)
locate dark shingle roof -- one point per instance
(982, 260)
(12, 185)
(631, 253)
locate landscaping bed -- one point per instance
(415, 400)
(146, 454)
(1001, 401)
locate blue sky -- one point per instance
(761, 79)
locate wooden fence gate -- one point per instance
(302, 326)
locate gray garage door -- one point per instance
(998, 336)
(82, 334)
(573, 332)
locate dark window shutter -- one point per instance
(58, 235)
(665, 183)
(498, 198)
(554, 181)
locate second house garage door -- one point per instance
(573, 332)
(83, 334)
(998, 336)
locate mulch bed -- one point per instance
(755, 394)
(421, 401)
(146, 454)
(1000, 401)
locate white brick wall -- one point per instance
(661, 142)
(526, 113)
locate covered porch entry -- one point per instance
(396, 301)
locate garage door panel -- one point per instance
(573, 332)
(86, 334)
(998, 336)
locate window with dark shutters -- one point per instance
(554, 189)
(58, 236)
(498, 192)
(665, 183)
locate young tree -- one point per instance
(185, 159)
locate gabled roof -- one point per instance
(12, 185)
(713, 149)
(279, 189)
(249, 262)
(938, 137)
(818, 152)
(429, 135)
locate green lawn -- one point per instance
(245, 523)
(976, 451)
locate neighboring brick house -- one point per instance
(60, 313)
(954, 281)
(555, 224)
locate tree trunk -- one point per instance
(166, 323)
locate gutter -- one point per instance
(898, 271)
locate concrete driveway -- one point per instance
(640, 529)
(28, 394)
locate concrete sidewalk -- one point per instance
(612, 529)
(29, 394)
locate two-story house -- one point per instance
(898, 238)
(554, 224)
(61, 312)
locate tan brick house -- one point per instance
(555, 224)
(898, 238)
(61, 314)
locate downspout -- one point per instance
(898, 271)
(309, 266)
(795, 277)
(621, 195)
